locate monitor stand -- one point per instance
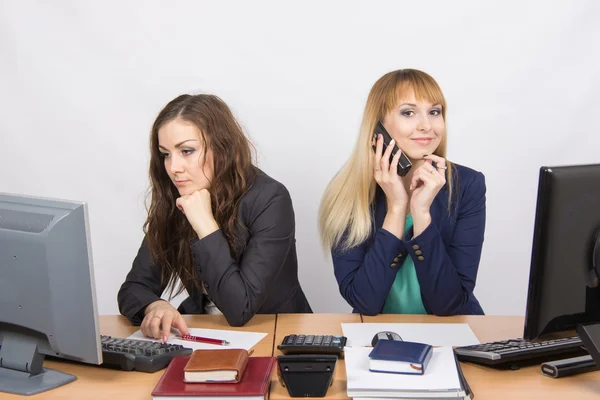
(21, 369)
(590, 336)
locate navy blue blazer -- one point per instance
(446, 254)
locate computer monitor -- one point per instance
(47, 292)
(565, 257)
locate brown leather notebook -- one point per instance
(216, 366)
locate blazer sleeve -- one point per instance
(362, 281)
(142, 286)
(447, 273)
(239, 289)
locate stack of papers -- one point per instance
(440, 380)
(236, 339)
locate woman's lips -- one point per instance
(423, 141)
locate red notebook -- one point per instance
(253, 385)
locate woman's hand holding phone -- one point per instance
(386, 176)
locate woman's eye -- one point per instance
(436, 111)
(164, 155)
(187, 152)
(408, 113)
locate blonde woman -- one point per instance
(405, 244)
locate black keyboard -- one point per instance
(517, 352)
(312, 344)
(139, 355)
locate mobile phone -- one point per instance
(404, 163)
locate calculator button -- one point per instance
(309, 339)
(300, 339)
(318, 339)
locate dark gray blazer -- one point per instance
(264, 280)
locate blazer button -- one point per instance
(393, 265)
(396, 259)
(418, 252)
(400, 255)
(421, 258)
(205, 285)
(415, 247)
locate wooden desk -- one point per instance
(526, 383)
(103, 383)
(487, 383)
(327, 324)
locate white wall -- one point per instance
(81, 82)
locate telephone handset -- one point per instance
(404, 163)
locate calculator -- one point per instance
(312, 344)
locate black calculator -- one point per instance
(312, 344)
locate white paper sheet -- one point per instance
(433, 334)
(237, 340)
(441, 376)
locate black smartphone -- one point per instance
(404, 163)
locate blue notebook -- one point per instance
(398, 357)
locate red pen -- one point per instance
(191, 338)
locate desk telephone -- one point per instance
(308, 362)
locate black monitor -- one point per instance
(565, 257)
(47, 293)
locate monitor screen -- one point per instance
(563, 279)
(47, 292)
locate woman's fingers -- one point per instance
(378, 152)
(394, 164)
(440, 162)
(155, 326)
(180, 324)
(385, 158)
(165, 329)
(426, 173)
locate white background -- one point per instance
(81, 83)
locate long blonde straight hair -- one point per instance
(345, 213)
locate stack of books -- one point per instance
(436, 375)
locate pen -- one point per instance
(192, 338)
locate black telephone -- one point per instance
(404, 163)
(306, 375)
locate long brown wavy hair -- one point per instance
(168, 232)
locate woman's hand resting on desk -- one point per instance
(159, 317)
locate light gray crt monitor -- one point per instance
(47, 293)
